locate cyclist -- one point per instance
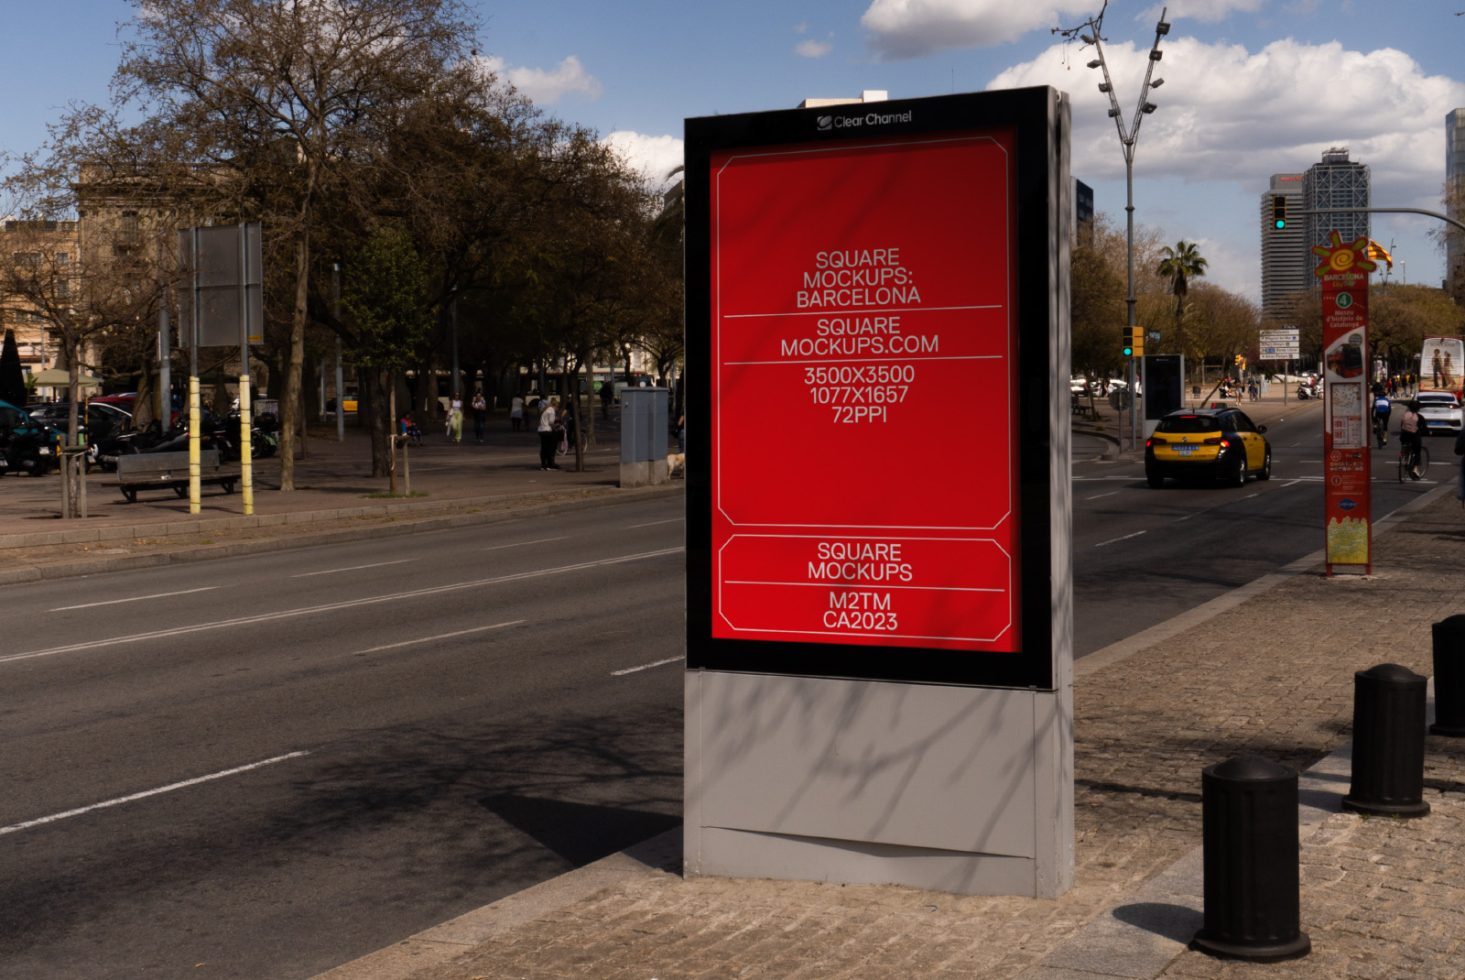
(1382, 408)
(1411, 427)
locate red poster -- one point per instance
(1347, 499)
(863, 458)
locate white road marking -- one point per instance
(171, 787)
(440, 636)
(1291, 483)
(136, 598)
(354, 568)
(335, 606)
(1125, 537)
(523, 544)
(669, 520)
(632, 670)
(1099, 495)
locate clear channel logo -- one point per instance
(825, 124)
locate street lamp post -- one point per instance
(1091, 32)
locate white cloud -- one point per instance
(1208, 11)
(652, 156)
(910, 28)
(1230, 115)
(547, 87)
(813, 49)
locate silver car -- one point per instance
(1441, 412)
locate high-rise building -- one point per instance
(1083, 212)
(1286, 268)
(1336, 182)
(1455, 202)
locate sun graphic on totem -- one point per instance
(1338, 257)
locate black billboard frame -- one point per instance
(1034, 116)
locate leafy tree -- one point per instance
(384, 302)
(1222, 322)
(1400, 317)
(284, 95)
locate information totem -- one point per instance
(879, 619)
(1347, 497)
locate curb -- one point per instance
(455, 513)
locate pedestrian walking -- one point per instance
(480, 416)
(567, 426)
(455, 419)
(548, 437)
(516, 413)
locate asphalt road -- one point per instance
(269, 766)
(384, 735)
(1142, 555)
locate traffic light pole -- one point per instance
(1432, 214)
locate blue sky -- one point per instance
(1252, 87)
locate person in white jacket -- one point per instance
(549, 437)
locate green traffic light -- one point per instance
(1279, 224)
(1128, 351)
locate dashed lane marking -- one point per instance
(133, 797)
(1124, 537)
(136, 598)
(354, 568)
(440, 636)
(523, 544)
(631, 670)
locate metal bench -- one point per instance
(168, 471)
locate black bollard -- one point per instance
(1388, 742)
(1252, 881)
(1449, 677)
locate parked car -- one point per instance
(102, 421)
(1223, 444)
(28, 446)
(1441, 412)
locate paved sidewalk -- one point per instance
(1268, 669)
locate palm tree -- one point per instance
(1179, 265)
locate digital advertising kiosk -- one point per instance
(879, 623)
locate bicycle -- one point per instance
(1413, 464)
(1381, 430)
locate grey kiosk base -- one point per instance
(955, 789)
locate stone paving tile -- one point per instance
(1382, 897)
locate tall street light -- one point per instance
(1091, 32)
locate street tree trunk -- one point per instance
(290, 397)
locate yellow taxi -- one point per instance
(1223, 444)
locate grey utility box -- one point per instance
(644, 417)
